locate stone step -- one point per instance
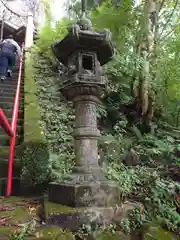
(8, 89)
(15, 186)
(15, 75)
(6, 94)
(9, 97)
(4, 151)
(10, 104)
(4, 168)
(20, 121)
(11, 81)
(19, 129)
(4, 139)
(8, 113)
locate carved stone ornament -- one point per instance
(73, 90)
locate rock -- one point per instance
(132, 159)
(93, 216)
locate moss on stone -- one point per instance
(51, 232)
(32, 130)
(34, 148)
(57, 208)
(156, 232)
(21, 213)
(54, 233)
(112, 236)
(4, 151)
(5, 232)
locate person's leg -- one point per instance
(9, 72)
(11, 63)
(3, 65)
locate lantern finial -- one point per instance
(84, 7)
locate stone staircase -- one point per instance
(7, 94)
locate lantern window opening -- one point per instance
(87, 62)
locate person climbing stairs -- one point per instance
(7, 96)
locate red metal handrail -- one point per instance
(5, 124)
(13, 126)
(11, 129)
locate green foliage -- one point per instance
(114, 148)
(19, 235)
(35, 160)
(156, 232)
(56, 117)
(118, 20)
(60, 166)
(33, 153)
(158, 149)
(169, 82)
(124, 139)
(56, 120)
(48, 34)
(74, 7)
(149, 149)
(24, 231)
(156, 194)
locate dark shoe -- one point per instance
(2, 79)
(9, 73)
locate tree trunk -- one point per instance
(146, 49)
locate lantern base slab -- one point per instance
(83, 195)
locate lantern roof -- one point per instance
(81, 37)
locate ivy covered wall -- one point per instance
(33, 153)
(57, 115)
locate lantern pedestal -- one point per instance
(87, 185)
(76, 195)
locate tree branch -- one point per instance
(9, 9)
(176, 3)
(167, 35)
(161, 5)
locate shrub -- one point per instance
(156, 194)
(35, 159)
(60, 166)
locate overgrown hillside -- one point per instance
(140, 116)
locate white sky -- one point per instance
(58, 9)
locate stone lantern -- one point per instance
(83, 52)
